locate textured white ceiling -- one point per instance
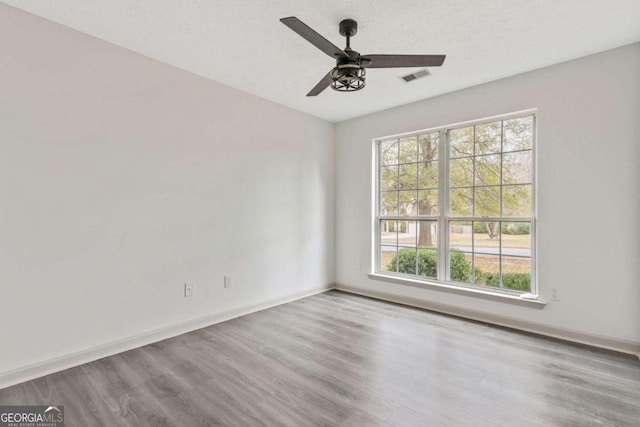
(242, 43)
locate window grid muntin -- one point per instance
(488, 154)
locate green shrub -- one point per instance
(460, 267)
(428, 264)
(519, 228)
(515, 281)
(479, 227)
(524, 228)
(406, 259)
(403, 227)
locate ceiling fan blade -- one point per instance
(401, 61)
(313, 37)
(322, 85)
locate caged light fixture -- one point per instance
(348, 78)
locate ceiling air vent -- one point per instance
(415, 76)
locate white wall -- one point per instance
(588, 183)
(121, 178)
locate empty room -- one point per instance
(319, 213)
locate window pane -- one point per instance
(388, 245)
(388, 232)
(407, 260)
(428, 146)
(427, 234)
(407, 202)
(408, 176)
(516, 167)
(428, 174)
(428, 262)
(428, 202)
(487, 170)
(460, 236)
(489, 138)
(389, 203)
(518, 134)
(388, 178)
(407, 233)
(516, 273)
(461, 202)
(461, 172)
(408, 150)
(389, 152)
(516, 200)
(487, 201)
(486, 237)
(516, 239)
(486, 270)
(388, 258)
(461, 142)
(460, 266)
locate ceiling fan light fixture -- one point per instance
(348, 77)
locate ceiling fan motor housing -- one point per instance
(348, 27)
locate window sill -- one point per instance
(477, 293)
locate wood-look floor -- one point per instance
(337, 359)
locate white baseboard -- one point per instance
(619, 345)
(47, 367)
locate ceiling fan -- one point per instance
(350, 70)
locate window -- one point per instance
(456, 205)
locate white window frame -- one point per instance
(443, 219)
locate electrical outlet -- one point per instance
(189, 289)
(555, 294)
(227, 281)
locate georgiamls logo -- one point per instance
(32, 416)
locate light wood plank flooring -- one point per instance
(337, 359)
